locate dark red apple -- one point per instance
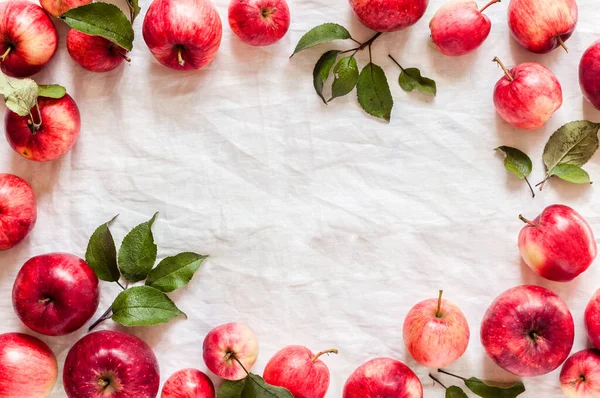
(188, 383)
(580, 375)
(94, 53)
(528, 331)
(28, 367)
(383, 377)
(259, 22)
(18, 211)
(300, 371)
(558, 244)
(589, 74)
(389, 15)
(46, 138)
(183, 34)
(55, 294)
(110, 364)
(28, 38)
(592, 319)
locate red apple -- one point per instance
(592, 319)
(460, 27)
(183, 34)
(55, 294)
(188, 383)
(528, 95)
(389, 15)
(300, 371)
(109, 364)
(580, 375)
(528, 331)
(436, 332)
(589, 74)
(540, 25)
(259, 22)
(29, 38)
(383, 377)
(18, 211)
(94, 53)
(558, 244)
(46, 138)
(59, 7)
(226, 347)
(28, 368)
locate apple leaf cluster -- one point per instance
(372, 87)
(140, 305)
(252, 386)
(482, 388)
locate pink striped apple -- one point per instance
(383, 377)
(188, 383)
(259, 22)
(18, 210)
(230, 350)
(580, 375)
(389, 15)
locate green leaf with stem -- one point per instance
(20, 95)
(518, 163)
(143, 306)
(51, 91)
(411, 79)
(322, 34)
(487, 390)
(174, 272)
(452, 391)
(571, 173)
(322, 70)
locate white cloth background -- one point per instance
(324, 225)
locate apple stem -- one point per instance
(451, 374)
(330, 351)
(8, 50)
(180, 57)
(562, 43)
(526, 221)
(235, 358)
(541, 183)
(33, 126)
(396, 62)
(506, 72)
(45, 301)
(438, 313)
(370, 41)
(489, 4)
(121, 286)
(125, 57)
(107, 314)
(437, 381)
(530, 187)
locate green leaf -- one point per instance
(137, 254)
(321, 34)
(143, 306)
(321, 71)
(101, 253)
(51, 91)
(253, 386)
(374, 92)
(345, 75)
(20, 95)
(516, 162)
(231, 389)
(134, 9)
(571, 173)
(174, 272)
(485, 390)
(455, 392)
(104, 20)
(411, 79)
(574, 143)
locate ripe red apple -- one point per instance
(383, 377)
(46, 138)
(55, 294)
(460, 27)
(592, 319)
(300, 371)
(540, 25)
(580, 375)
(111, 364)
(18, 211)
(226, 347)
(28, 368)
(259, 22)
(589, 74)
(558, 245)
(28, 38)
(188, 383)
(436, 332)
(389, 15)
(58, 7)
(183, 34)
(94, 53)
(528, 331)
(527, 95)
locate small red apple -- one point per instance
(28, 38)
(383, 377)
(46, 138)
(28, 367)
(109, 364)
(300, 371)
(558, 244)
(592, 319)
(18, 211)
(59, 7)
(389, 15)
(436, 332)
(229, 349)
(580, 375)
(528, 95)
(589, 74)
(528, 331)
(55, 294)
(460, 27)
(259, 22)
(183, 34)
(94, 53)
(188, 383)
(540, 26)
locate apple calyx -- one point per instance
(45, 301)
(438, 312)
(528, 222)
(8, 50)
(534, 336)
(506, 71)
(489, 4)
(266, 12)
(108, 383)
(562, 43)
(330, 351)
